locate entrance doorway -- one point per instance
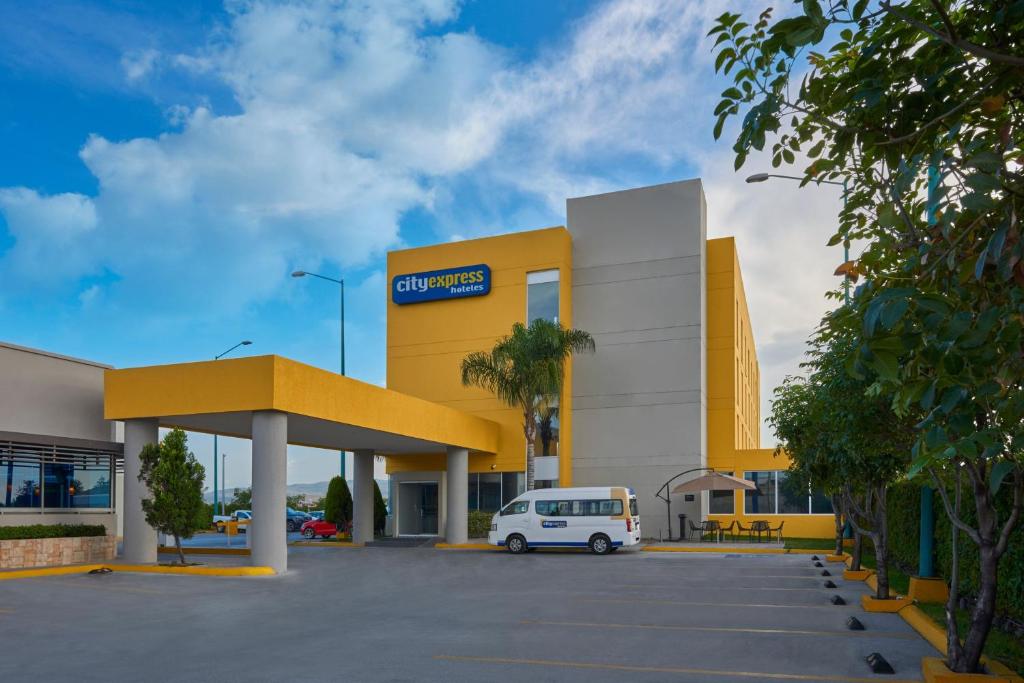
(417, 508)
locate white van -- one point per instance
(600, 518)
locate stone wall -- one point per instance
(53, 552)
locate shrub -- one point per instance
(338, 503)
(13, 533)
(479, 523)
(380, 511)
(904, 528)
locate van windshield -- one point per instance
(632, 507)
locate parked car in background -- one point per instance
(317, 515)
(236, 516)
(296, 519)
(314, 528)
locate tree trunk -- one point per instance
(530, 432)
(858, 550)
(837, 513)
(177, 544)
(954, 650)
(881, 540)
(984, 610)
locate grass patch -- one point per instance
(1000, 645)
(828, 544)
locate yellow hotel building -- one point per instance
(674, 383)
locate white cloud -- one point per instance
(138, 64)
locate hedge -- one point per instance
(904, 501)
(479, 523)
(17, 533)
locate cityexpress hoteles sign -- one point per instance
(434, 285)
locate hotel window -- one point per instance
(542, 295)
(778, 494)
(490, 491)
(721, 502)
(34, 476)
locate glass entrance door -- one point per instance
(417, 514)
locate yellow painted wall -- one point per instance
(734, 391)
(426, 342)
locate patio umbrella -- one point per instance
(715, 481)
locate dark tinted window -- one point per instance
(605, 507)
(517, 508)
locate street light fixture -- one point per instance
(244, 342)
(844, 269)
(341, 323)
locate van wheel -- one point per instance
(600, 544)
(516, 544)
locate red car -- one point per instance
(316, 527)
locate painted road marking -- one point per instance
(663, 586)
(75, 585)
(761, 675)
(708, 604)
(719, 629)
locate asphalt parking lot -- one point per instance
(391, 614)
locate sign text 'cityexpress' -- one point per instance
(450, 283)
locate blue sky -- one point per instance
(165, 165)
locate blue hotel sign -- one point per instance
(434, 285)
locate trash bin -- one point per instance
(682, 527)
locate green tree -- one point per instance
(917, 107)
(338, 503)
(241, 500)
(800, 438)
(175, 481)
(525, 370)
(380, 510)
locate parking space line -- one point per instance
(705, 604)
(662, 586)
(761, 675)
(722, 629)
(75, 585)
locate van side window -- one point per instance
(518, 507)
(579, 508)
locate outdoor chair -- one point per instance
(728, 530)
(777, 531)
(740, 530)
(699, 530)
(760, 526)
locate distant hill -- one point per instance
(318, 488)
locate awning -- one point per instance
(715, 481)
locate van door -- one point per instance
(551, 523)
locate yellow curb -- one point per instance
(857, 575)
(205, 551)
(928, 590)
(741, 551)
(329, 544)
(48, 571)
(836, 558)
(923, 624)
(137, 568)
(892, 605)
(467, 546)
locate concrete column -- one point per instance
(139, 537)
(268, 531)
(362, 496)
(457, 511)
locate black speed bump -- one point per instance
(814, 558)
(878, 664)
(825, 572)
(818, 564)
(829, 584)
(837, 600)
(854, 624)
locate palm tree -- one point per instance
(525, 370)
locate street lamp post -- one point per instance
(244, 342)
(762, 177)
(224, 477)
(341, 323)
